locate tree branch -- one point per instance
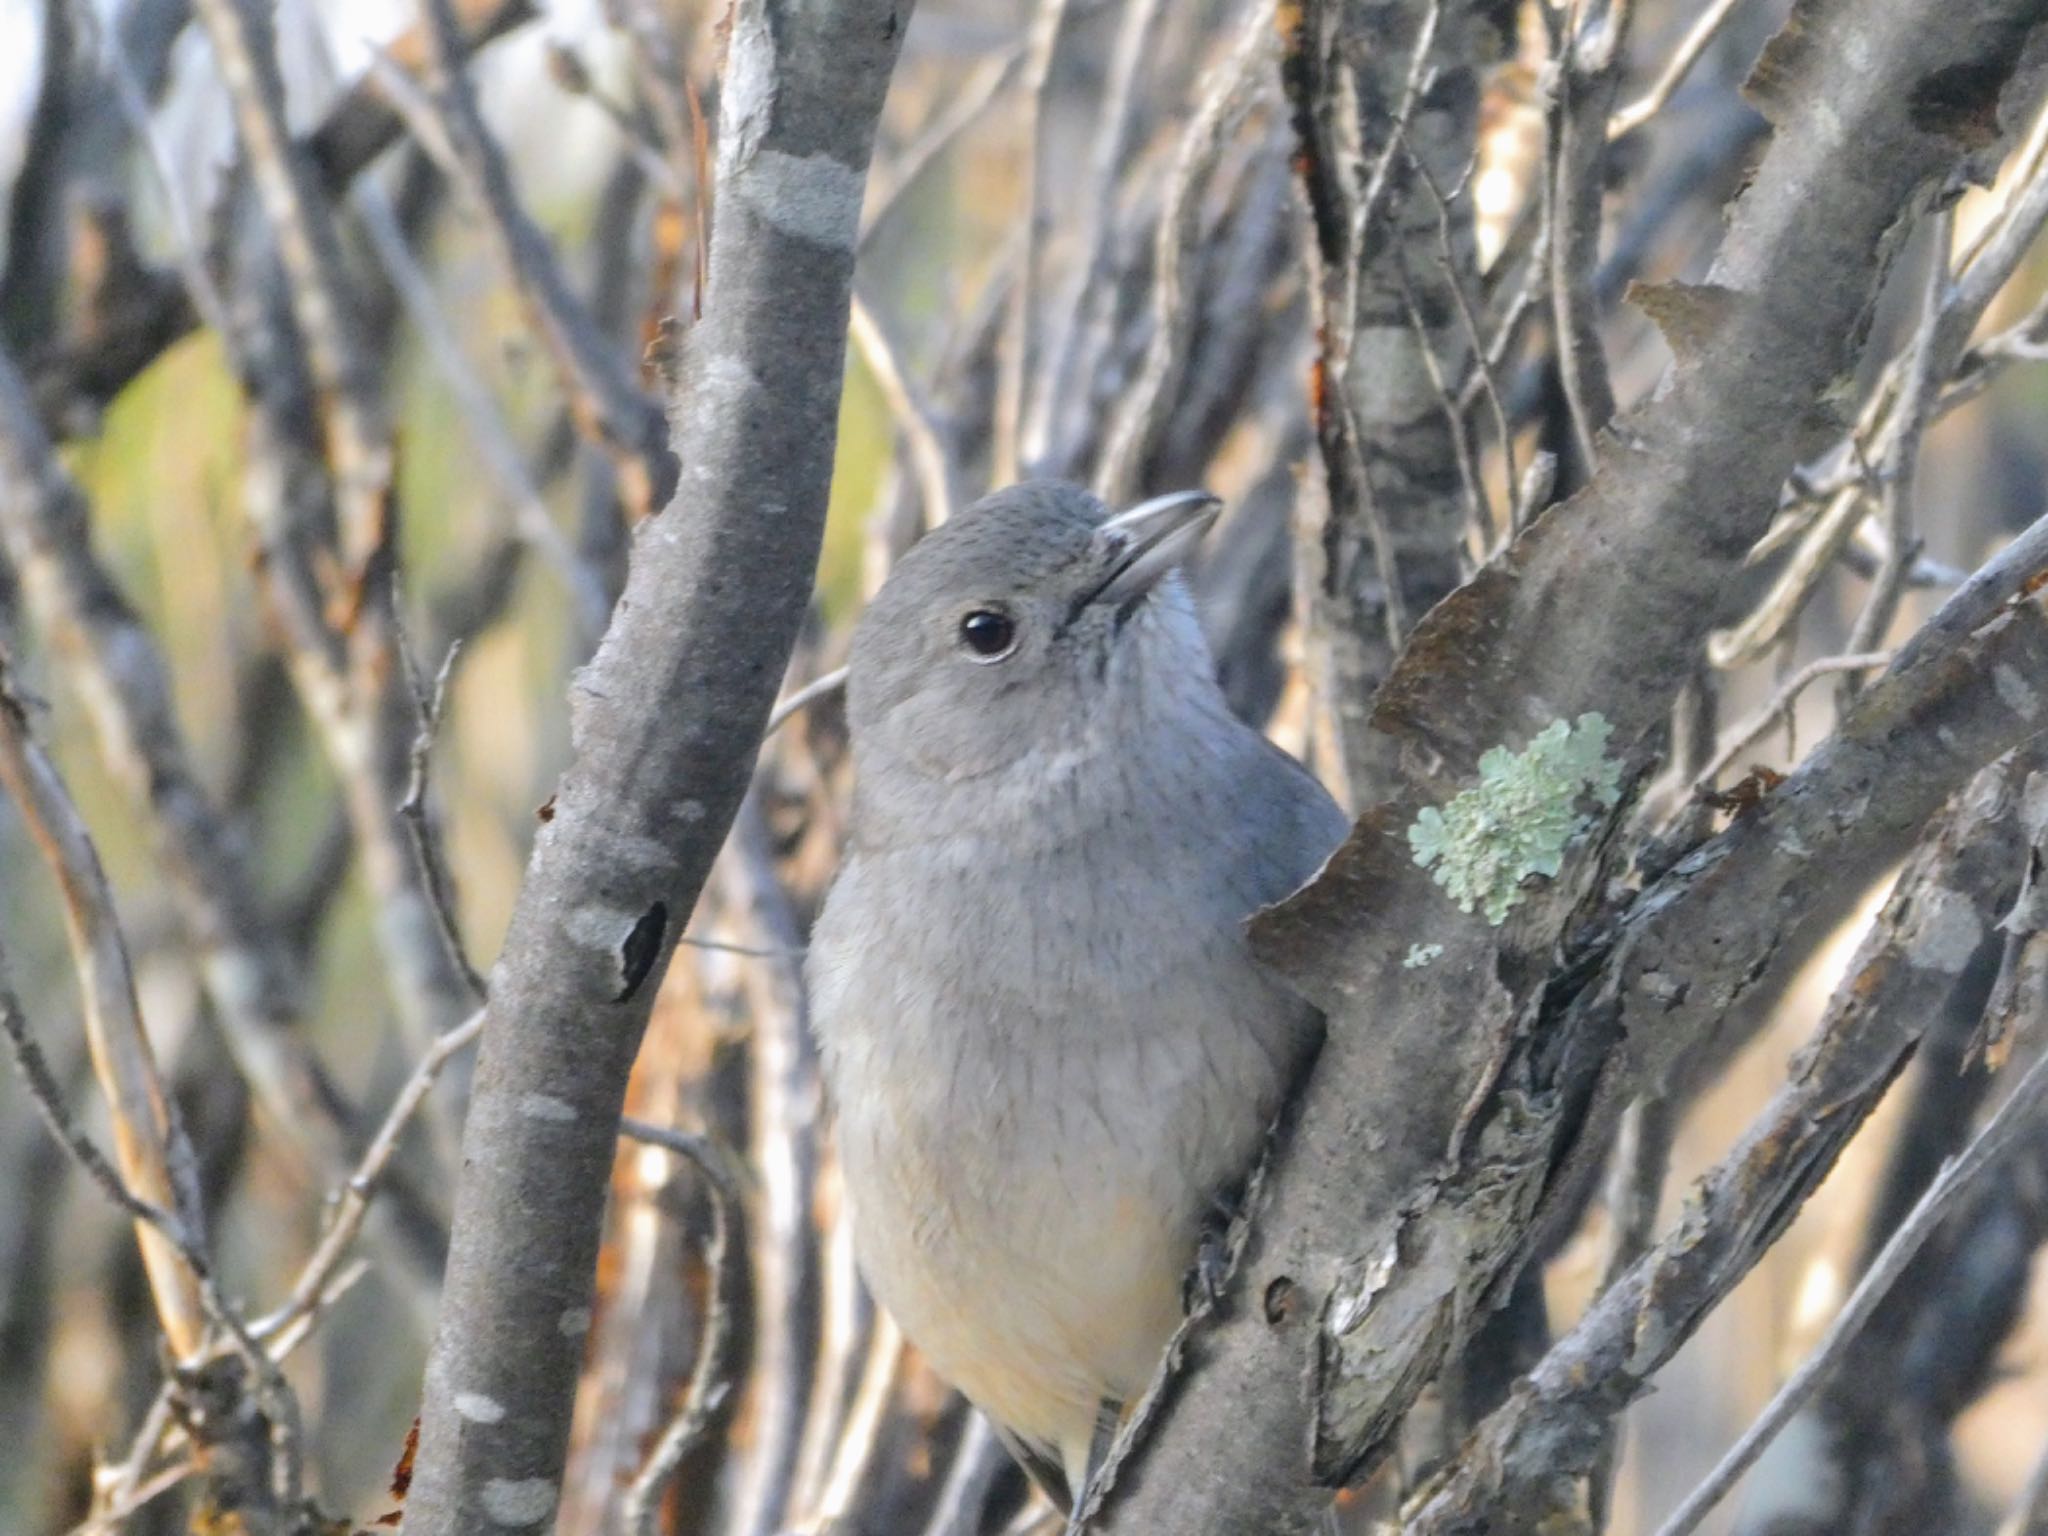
(667, 718)
(1528, 1451)
(1406, 1190)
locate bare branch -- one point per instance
(352, 1203)
(1591, 49)
(1529, 1448)
(1740, 739)
(431, 704)
(913, 414)
(1957, 1179)
(1677, 65)
(492, 438)
(710, 1384)
(711, 610)
(1020, 334)
(1226, 95)
(127, 689)
(156, 1161)
(607, 402)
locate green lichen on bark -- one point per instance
(1516, 821)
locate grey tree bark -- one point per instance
(1385, 100)
(667, 720)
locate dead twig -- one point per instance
(710, 1384)
(2015, 1117)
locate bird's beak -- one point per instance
(1140, 546)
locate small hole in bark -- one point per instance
(1279, 1300)
(642, 946)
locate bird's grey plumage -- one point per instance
(1048, 1044)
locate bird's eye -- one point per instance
(989, 633)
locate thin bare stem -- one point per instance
(710, 1382)
(1677, 65)
(352, 1202)
(864, 1420)
(156, 1161)
(1781, 705)
(1020, 333)
(1227, 94)
(910, 410)
(432, 703)
(823, 686)
(531, 519)
(2016, 1116)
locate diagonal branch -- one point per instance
(155, 1160)
(605, 399)
(1920, 943)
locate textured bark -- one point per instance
(667, 721)
(1519, 1473)
(1384, 95)
(1409, 1186)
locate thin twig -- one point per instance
(112, 1519)
(431, 704)
(784, 1152)
(982, 88)
(859, 1437)
(1677, 65)
(352, 1202)
(911, 411)
(976, 1462)
(1094, 204)
(187, 245)
(605, 399)
(823, 686)
(322, 302)
(1020, 340)
(1959, 1175)
(1936, 352)
(48, 1097)
(158, 1183)
(710, 1382)
(487, 429)
(1915, 395)
(1484, 373)
(1591, 44)
(1227, 93)
(1469, 473)
(1781, 706)
(155, 1159)
(120, 674)
(1642, 1151)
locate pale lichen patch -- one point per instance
(1947, 931)
(2014, 692)
(813, 198)
(1516, 821)
(545, 1106)
(1420, 955)
(478, 1408)
(519, 1501)
(573, 1323)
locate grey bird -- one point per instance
(1050, 1049)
